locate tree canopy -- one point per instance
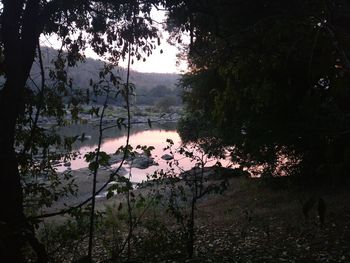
(270, 78)
(111, 28)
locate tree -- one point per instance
(108, 26)
(165, 103)
(270, 78)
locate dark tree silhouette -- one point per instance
(270, 78)
(22, 23)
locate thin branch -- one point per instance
(28, 143)
(93, 201)
(138, 220)
(113, 174)
(158, 8)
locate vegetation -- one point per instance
(267, 87)
(271, 79)
(149, 86)
(114, 29)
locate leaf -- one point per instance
(93, 166)
(90, 156)
(103, 159)
(120, 123)
(110, 194)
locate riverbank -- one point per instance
(262, 220)
(254, 220)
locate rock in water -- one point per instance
(143, 162)
(167, 157)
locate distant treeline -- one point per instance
(150, 88)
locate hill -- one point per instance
(147, 85)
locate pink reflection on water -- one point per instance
(155, 138)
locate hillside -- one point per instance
(89, 69)
(147, 85)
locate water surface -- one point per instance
(140, 135)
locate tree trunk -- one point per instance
(11, 198)
(19, 36)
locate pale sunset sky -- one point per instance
(157, 62)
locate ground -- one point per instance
(258, 220)
(255, 220)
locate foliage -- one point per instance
(271, 79)
(181, 193)
(160, 243)
(112, 29)
(157, 94)
(164, 104)
(65, 241)
(149, 86)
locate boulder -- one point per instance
(142, 162)
(122, 171)
(115, 159)
(214, 173)
(167, 157)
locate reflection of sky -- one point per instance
(155, 138)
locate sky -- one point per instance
(157, 62)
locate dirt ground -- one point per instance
(262, 220)
(259, 220)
